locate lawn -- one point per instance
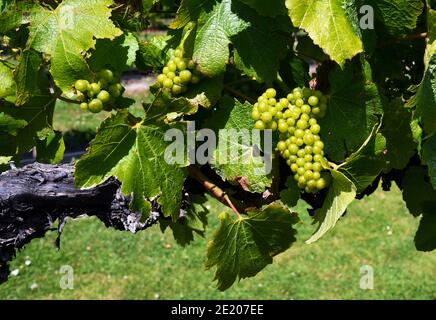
(108, 264)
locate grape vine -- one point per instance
(277, 109)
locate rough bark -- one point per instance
(36, 197)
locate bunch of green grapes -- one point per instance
(101, 94)
(178, 73)
(295, 117)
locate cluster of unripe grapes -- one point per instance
(178, 73)
(295, 117)
(101, 94)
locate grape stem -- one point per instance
(213, 189)
(239, 94)
(68, 100)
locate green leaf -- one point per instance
(51, 149)
(328, 24)
(135, 154)
(10, 125)
(69, 31)
(417, 191)
(27, 76)
(241, 248)
(152, 54)
(7, 82)
(189, 10)
(194, 222)
(235, 159)
(363, 166)
(341, 193)
(291, 194)
(354, 109)
(398, 16)
(215, 28)
(429, 157)
(425, 98)
(431, 21)
(122, 53)
(399, 147)
(425, 238)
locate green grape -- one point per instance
(316, 137)
(176, 89)
(302, 180)
(263, 107)
(296, 113)
(191, 64)
(308, 157)
(308, 149)
(279, 115)
(306, 93)
(165, 70)
(172, 67)
(305, 117)
(255, 114)
(284, 102)
(270, 93)
(181, 65)
(308, 139)
(171, 75)
(106, 74)
(317, 158)
(81, 85)
(103, 83)
(290, 122)
(318, 94)
(321, 183)
(300, 162)
(317, 150)
(95, 106)
(293, 158)
(104, 96)
(316, 175)
(315, 128)
(312, 121)
(305, 108)
(272, 101)
(300, 153)
(313, 101)
(311, 183)
(300, 171)
(308, 166)
(178, 53)
(290, 97)
(80, 96)
(161, 78)
(300, 142)
(291, 130)
(272, 125)
(84, 106)
(308, 175)
(297, 96)
(293, 149)
(287, 114)
(266, 117)
(281, 146)
(94, 88)
(115, 91)
(272, 110)
(283, 127)
(177, 80)
(302, 124)
(317, 167)
(316, 111)
(286, 154)
(261, 98)
(292, 140)
(294, 167)
(319, 144)
(299, 133)
(259, 125)
(296, 176)
(168, 83)
(299, 102)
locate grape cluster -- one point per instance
(295, 118)
(101, 94)
(178, 73)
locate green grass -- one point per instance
(108, 264)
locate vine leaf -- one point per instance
(429, 156)
(341, 193)
(241, 248)
(416, 190)
(122, 53)
(51, 148)
(55, 32)
(333, 32)
(10, 125)
(398, 16)
(271, 8)
(26, 76)
(425, 237)
(354, 109)
(235, 158)
(211, 47)
(425, 98)
(135, 154)
(7, 82)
